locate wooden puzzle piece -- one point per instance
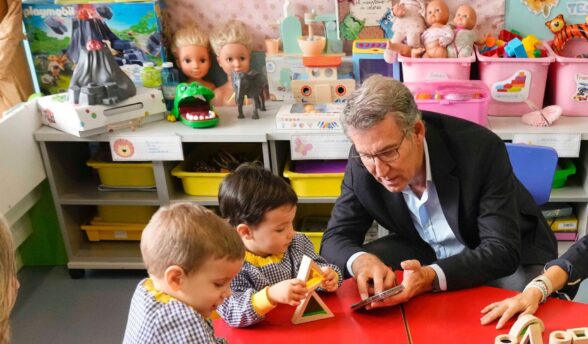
(312, 307)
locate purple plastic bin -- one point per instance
(320, 166)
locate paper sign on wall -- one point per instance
(308, 147)
(156, 148)
(566, 145)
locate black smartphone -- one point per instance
(377, 297)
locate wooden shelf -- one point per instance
(88, 194)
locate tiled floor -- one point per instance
(53, 308)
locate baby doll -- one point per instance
(409, 22)
(232, 45)
(191, 50)
(439, 35)
(465, 20)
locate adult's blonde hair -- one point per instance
(377, 97)
(187, 235)
(7, 279)
(234, 31)
(189, 35)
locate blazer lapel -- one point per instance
(447, 184)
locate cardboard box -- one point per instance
(49, 29)
(310, 116)
(87, 120)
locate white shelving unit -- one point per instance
(576, 189)
(74, 185)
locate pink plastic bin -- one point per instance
(419, 69)
(466, 99)
(568, 79)
(512, 81)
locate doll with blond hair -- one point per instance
(8, 281)
(232, 44)
(192, 52)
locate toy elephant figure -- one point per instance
(249, 84)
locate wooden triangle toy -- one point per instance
(312, 307)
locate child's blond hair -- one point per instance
(189, 35)
(234, 31)
(187, 235)
(7, 279)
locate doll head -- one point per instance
(465, 17)
(190, 47)
(232, 45)
(437, 13)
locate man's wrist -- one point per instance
(436, 286)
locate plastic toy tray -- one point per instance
(466, 99)
(314, 184)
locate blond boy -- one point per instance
(191, 256)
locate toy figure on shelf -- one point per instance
(232, 45)
(564, 32)
(250, 84)
(409, 22)
(192, 106)
(465, 20)
(191, 50)
(439, 35)
(97, 78)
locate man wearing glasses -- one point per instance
(444, 189)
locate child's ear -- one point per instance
(244, 231)
(174, 276)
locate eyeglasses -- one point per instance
(387, 156)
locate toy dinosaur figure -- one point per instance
(192, 105)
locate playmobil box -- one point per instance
(86, 120)
(132, 28)
(310, 116)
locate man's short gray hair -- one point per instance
(377, 97)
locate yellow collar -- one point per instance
(260, 261)
(166, 298)
(158, 295)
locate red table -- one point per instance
(454, 317)
(446, 317)
(383, 325)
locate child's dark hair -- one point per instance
(250, 191)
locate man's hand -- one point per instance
(416, 280)
(368, 269)
(288, 292)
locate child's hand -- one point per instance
(289, 292)
(331, 281)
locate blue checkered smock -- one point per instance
(238, 310)
(156, 317)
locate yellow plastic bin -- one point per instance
(314, 184)
(198, 183)
(313, 227)
(124, 174)
(99, 230)
(126, 213)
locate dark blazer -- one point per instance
(577, 255)
(488, 209)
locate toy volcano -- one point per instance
(192, 105)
